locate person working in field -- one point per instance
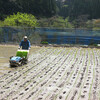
(25, 44)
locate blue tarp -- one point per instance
(85, 40)
(55, 36)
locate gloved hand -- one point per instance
(29, 48)
(18, 47)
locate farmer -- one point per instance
(25, 44)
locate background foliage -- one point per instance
(51, 13)
(20, 19)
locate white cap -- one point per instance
(25, 37)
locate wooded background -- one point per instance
(80, 13)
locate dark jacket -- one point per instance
(25, 44)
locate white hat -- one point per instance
(25, 37)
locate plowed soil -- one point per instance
(52, 73)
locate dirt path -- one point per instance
(51, 74)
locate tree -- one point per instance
(7, 7)
(38, 7)
(20, 19)
(76, 8)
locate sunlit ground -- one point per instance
(52, 73)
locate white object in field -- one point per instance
(98, 44)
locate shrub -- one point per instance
(96, 24)
(55, 21)
(20, 19)
(1, 23)
(44, 42)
